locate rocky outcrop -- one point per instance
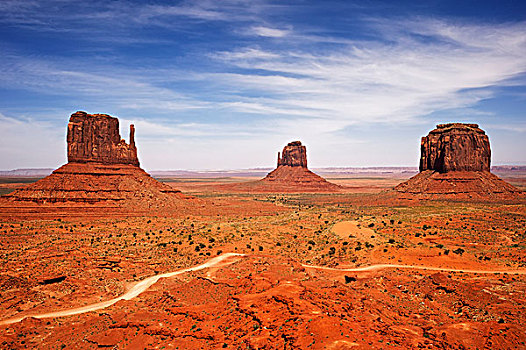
(101, 168)
(455, 163)
(292, 174)
(294, 154)
(95, 183)
(455, 147)
(458, 185)
(95, 138)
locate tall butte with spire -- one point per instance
(101, 167)
(455, 161)
(94, 138)
(292, 174)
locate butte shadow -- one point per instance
(290, 176)
(102, 170)
(455, 164)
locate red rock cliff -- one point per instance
(455, 147)
(96, 138)
(294, 154)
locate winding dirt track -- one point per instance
(415, 267)
(143, 285)
(134, 291)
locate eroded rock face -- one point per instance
(294, 154)
(96, 138)
(455, 163)
(455, 147)
(102, 168)
(292, 174)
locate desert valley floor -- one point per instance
(349, 270)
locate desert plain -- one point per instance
(309, 270)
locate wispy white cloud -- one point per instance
(399, 79)
(196, 11)
(28, 141)
(48, 15)
(518, 127)
(106, 85)
(245, 54)
(152, 130)
(268, 32)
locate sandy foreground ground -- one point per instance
(266, 271)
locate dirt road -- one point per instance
(134, 291)
(416, 267)
(143, 285)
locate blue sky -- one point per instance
(226, 84)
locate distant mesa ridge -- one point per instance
(455, 162)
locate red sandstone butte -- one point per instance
(292, 173)
(455, 162)
(455, 147)
(294, 154)
(101, 167)
(95, 138)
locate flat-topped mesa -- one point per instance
(96, 138)
(455, 164)
(294, 154)
(455, 147)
